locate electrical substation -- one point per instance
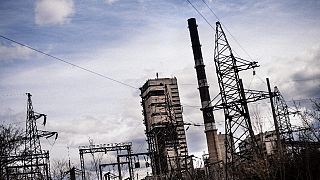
(236, 154)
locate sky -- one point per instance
(132, 40)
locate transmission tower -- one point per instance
(282, 114)
(32, 143)
(33, 163)
(283, 128)
(36, 167)
(234, 102)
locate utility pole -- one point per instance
(35, 167)
(276, 124)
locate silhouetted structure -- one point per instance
(104, 148)
(33, 162)
(215, 155)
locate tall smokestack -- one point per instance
(210, 127)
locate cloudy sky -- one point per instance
(131, 40)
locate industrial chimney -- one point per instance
(207, 112)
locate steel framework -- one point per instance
(33, 163)
(118, 147)
(161, 137)
(283, 119)
(234, 102)
(39, 170)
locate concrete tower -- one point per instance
(164, 127)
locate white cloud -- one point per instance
(52, 12)
(14, 52)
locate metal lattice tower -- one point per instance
(234, 103)
(33, 162)
(34, 167)
(32, 145)
(282, 117)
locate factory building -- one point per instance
(165, 128)
(266, 142)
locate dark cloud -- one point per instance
(307, 79)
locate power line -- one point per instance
(226, 29)
(201, 14)
(206, 20)
(304, 99)
(69, 63)
(220, 23)
(293, 100)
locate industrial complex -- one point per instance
(235, 152)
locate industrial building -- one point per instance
(266, 141)
(165, 131)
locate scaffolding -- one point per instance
(165, 128)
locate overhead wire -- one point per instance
(243, 49)
(207, 21)
(200, 14)
(304, 99)
(69, 63)
(227, 29)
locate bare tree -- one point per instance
(59, 169)
(96, 161)
(11, 141)
(257, 119)
(310, 118)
